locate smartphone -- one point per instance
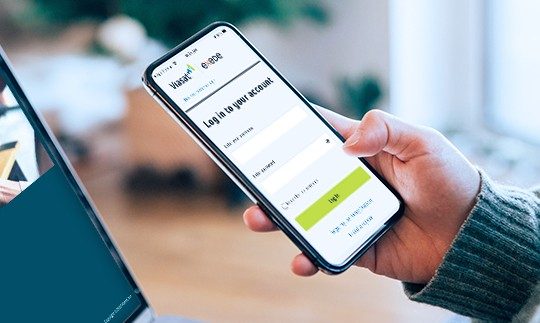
(271, 141)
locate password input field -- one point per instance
(283, 175)
(268, 135)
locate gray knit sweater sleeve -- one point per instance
(493, 265)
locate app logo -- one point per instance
(211, 60)
(184, 78)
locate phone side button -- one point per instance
(149, 91)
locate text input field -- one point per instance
(268, 135)
(283, 175)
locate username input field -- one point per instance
(286, 173)
(268, 135)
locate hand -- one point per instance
(438, 184)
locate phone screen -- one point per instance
(277, 143)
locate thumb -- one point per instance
(379, 131)
(343, 125)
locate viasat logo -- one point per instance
(184, 78)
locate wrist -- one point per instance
(493, 264)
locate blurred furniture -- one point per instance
(154, 139)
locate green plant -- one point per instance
(174, 21)
(360, 95)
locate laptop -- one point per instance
(59, 262)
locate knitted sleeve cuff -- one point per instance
(493, 264)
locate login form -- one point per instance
(278, 143)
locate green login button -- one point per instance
(318, 210)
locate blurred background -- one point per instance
(470, 68)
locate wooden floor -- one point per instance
(193, 257)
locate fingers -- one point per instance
(379, 131)
(301, 266)
(343, 125)
(256, 220)
(368, 260)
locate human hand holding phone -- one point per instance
(438, 184)
(270, 140)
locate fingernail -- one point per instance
(353, 140)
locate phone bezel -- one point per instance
(232, 170)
